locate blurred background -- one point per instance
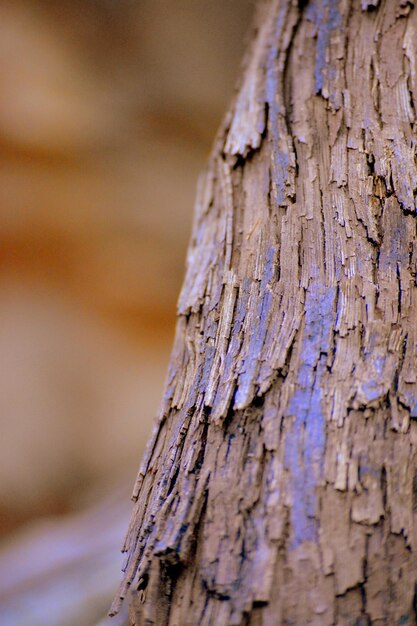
(107, 112)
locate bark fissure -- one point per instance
(279, 483)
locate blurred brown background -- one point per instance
(107, 112)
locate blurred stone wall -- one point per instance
(107, 112)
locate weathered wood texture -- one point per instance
(280, 484)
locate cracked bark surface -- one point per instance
(280, 484)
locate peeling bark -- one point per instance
(279, 486)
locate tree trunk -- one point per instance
(280, 484)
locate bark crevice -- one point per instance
(280, 479)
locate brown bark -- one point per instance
(280, 484)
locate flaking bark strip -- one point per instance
(279, 486)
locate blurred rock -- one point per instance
(64, 572)
(107, 112)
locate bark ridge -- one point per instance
(280, 483)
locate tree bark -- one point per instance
(280, 483)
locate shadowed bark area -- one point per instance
(279, 486)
